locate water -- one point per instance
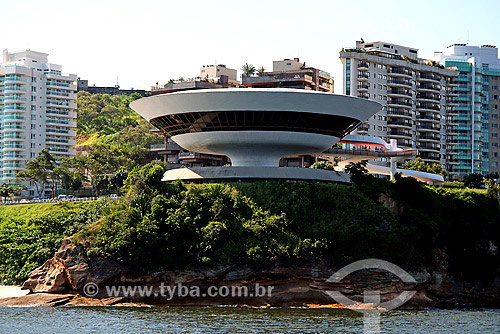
(237, 320)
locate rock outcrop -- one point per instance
(62, 280)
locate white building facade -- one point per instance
(37, 111)
(417, 96)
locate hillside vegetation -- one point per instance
(107, 123)
(30, 234)
(161, 226)
(30, 211)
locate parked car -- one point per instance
(113, 196)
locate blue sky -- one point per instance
(144, 42)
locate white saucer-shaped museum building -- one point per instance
(255, 128)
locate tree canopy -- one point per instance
(419, 165)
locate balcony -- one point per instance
(429, 148)
(423, 127)
(362, 128)
(395, 112)
(399, 134)
(430, 157)
(13, 107)
(394, 82)
(166, 149)
(14, 98)
(13, 89)
(429, 87)
(199, 157)
(14, 128)
(363, 87)
(13, 147)
(61, 85)
(14, 118)
(363, 76)
(325, 86)
(363, 66)
(428, 118)
(402, 93)
(399, 103)
(430, 77)
(428, 137)
(399, 124)
(399, 72)
(428, 106)
(15, 79)
(267, 78)
(61, 95)
(429, 97)
(364, 96)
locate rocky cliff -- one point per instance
(62, 280)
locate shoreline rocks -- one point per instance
(62, 280)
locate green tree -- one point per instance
(39, 171)
(8, 190)
(248, 69)
(261, 70)
(422, 166)
(357, 170)
(473, 180)
(322, 165)
(70, 179)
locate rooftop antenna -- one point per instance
(117, 85)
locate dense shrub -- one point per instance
(177, 226)
(27, 243)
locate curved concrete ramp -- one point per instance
(240, 173)
(421, 176)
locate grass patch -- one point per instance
(32, 211)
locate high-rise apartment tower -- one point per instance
(37, 111)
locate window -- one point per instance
(33, 89)
(33, 98)
(494, 125)
(33, 108)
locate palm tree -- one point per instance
(261, 70)
(248, 69)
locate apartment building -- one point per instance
(83, 85)
(291, 73)
(417, 96)
(210, 77)
(473, 136)
(37, 111)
